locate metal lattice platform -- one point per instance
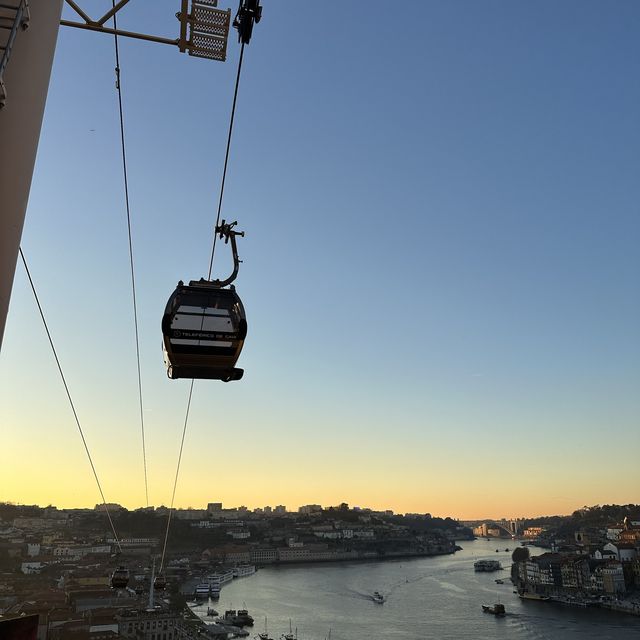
(208, 30)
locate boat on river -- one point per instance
(243, 619)
(240, 618)
(289, 636)
(265, 634)
(496, 610)
(377, 597)
(202, 591)
(487, 565)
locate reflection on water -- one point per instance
(427, 598)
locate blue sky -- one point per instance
(440, 268)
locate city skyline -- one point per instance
(275, 509)
(440, 264)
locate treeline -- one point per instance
(595, 517)
(427, 524)
(9, 511)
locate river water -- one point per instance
(427, 598)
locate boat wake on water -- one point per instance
(353, 593)
(375, 596)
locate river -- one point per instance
(427, 598)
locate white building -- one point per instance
(308, 509)
(263, 555)
(239, 534)
(30, 568)
(364, 534)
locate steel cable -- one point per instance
(226, 160)
(213, 250)
(175, 482)
(73, 408)
(131, 264)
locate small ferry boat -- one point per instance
(377, 597)
(499, 581)
(487, 565)
(497, 609)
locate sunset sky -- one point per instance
(441, 270)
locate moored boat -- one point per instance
(528, 595)
(243, 619)
(265, 634)
(240, 618)
(288, 636)
(202, 591)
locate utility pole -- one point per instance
(153, 579)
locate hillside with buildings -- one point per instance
(593, 559)
(58, 563)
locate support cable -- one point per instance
(175, 482)
(213, 249)
(226, 161)
(73, 408)
(133, 277)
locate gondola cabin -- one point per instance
(160, 583)
(204, 324)
(203, 329)
(120, 578)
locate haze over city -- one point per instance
(440, 267)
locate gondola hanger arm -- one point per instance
(226, 230)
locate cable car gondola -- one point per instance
(204, 325)
(160, 583)
(120, 578)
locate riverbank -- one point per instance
(619, 605)
(187, 588)
(426, 598)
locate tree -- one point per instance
(520, 554)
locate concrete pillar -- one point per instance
(26, 79)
